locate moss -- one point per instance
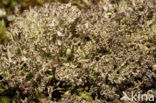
(86, 96)
(2, 31)
(4, 100)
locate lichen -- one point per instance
(62, 54)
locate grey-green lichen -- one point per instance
(62, 54)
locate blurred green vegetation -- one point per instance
(2, 31)
(4, 100)
(10, 4)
